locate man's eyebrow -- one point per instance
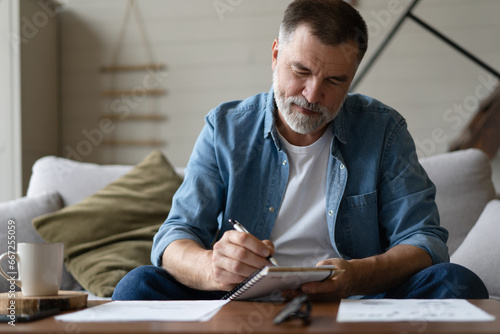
(300, 66)
(339, 78)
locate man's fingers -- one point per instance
(238, 267)
(236, 256)
(226, 279)
(269, 244)
(242, 247)
(249, 242)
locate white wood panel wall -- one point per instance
(10, 115)
(28, 91)
(214, 57)
(433, 86)
(210, 60)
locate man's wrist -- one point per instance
(209, 279)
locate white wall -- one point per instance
(433, 86)
(10, 125)
(214, 58)
(424, 78)
(39, 75)
(211, 58)
(28, 90)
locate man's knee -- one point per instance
(459, 282)
(136, 284)
(440, 281)
(155, 283)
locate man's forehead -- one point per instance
(331, 64)
(304, 47)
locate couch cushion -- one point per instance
(73, 180)
(21, 211)
(111, 232)
(480, 249)
(464, 187)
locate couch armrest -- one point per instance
(464, 187)
(22, 211)
(480, 249)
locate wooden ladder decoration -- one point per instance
(152, 91)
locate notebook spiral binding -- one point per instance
(244, 286)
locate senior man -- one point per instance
(318, 176)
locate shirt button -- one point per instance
(271, 209)
(342, 166)
(284, 162)
(330, 213)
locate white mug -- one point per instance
(39, 268)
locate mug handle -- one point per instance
(4, 274)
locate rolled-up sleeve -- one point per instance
(408, 213)
(198, 201)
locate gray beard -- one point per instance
(297, 121)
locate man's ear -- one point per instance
(275, 53)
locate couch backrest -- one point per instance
(73, 180)
(462, 178)
(464, 187)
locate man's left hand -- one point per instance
(336, 288)
(371, 275)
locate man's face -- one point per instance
(311, 80)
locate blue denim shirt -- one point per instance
(378, 195)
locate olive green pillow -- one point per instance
(111, 232)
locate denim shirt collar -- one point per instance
(338, 125)
(270, 127)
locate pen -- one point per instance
(238, 227)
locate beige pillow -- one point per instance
(111, 232)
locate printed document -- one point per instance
(410, 310)
(172, 310)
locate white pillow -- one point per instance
(72, 180)
(480, 250)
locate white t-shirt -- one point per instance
(300, 233)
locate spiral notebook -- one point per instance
(272, 280)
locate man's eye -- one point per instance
(301, 73)
(333, 83)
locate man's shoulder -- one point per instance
(362, 104)
(250, 107)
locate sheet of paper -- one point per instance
(410, 310)
(122, 311)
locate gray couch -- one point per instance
(466, 197)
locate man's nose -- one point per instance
(313, 91)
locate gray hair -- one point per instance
(333, 22)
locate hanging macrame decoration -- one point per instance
(127, 104)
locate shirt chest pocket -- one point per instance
(360, 202)
(357, 228)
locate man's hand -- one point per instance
(375, 274)
(333, 289)
(236, 256)
(233, 258)
(339, 287)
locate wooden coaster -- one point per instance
(64, 301)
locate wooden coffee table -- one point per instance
(253, 317)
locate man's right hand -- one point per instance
(233, 258)
(236, 256)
